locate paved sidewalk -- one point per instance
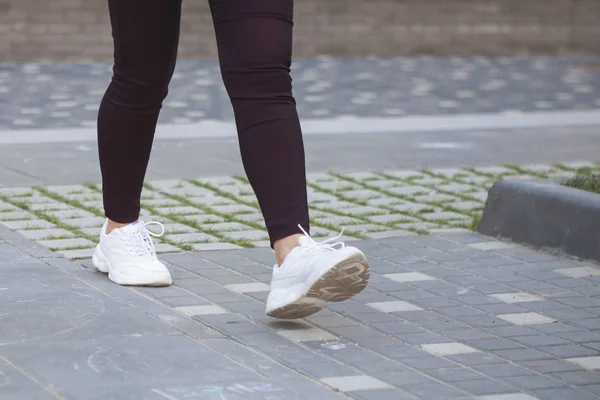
(445, 317)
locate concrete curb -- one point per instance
(544, 214)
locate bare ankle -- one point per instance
(283, 247)
(114, 225)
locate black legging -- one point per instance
(254, 39)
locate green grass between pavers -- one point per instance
(359, 202)
(410, 198)
(585, 181)
(587, 178)
(53, 220)
(80, 247)
(199, 227)
(330, 227)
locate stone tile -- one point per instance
(579, 272)
(178, 210)
(443, 215)
(355, 383)
(408, 190)
(191, 237)
(61, 244)
(191, 311)
(77, 254)
(175, 228)
(448, 349)
(307, 335)
(166, 248)
(390, 234)
(88, 222)
(409, 277)
(519, 297)
(16, 215)
(204, 219)
(390, 218)
(248, 287)
(247, 235)
(233, 208)
(526, 318)
(215, 246)
(29, 224)
(69, 214)
(436, 391)
(511, 396)
(586, 362)
(227, 226)
(394, 306)
(532, 382)
(41, 234)
(484, 387)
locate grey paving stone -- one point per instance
(40, 234)
(578, 378)
(523, 355)
(215, 246)
(442, 215)
(77, 254)
(532, 382)
(494, 344)
(407, 377)
(246, 235)
(191, 237)
(482, 387)
(184, 301)
(480, 358)
(28, 224)
(503, 370)
(381, 394)
(436, 391)
(563, 393)
(568, 351)
(66, 243)
(508, 396)
(354, 383)
(69, 214)
(15, 214)
(457, 374)
(539, 340)
(87, 222)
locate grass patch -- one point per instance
(80, 247)
(585, 181)
(58, 237)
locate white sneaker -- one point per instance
(315, 273)
(127, 254)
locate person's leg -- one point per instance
(254, 38)
(255, 50)
(145, 34)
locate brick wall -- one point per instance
(79, 29)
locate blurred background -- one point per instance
(501, 62)
(77, 30)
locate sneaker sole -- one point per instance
(345, 280)
(102, 263)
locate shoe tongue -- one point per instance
(303, 240)
(130, 228)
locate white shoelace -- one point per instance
(327, 245)
(140, 243)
